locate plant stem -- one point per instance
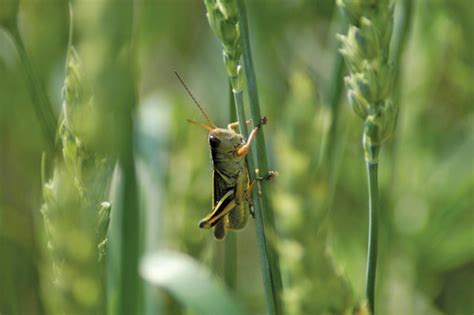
(42, 106)
(230, 257)
(372, 174)
(263, 244)
(333, 95)
(130, 284)
(230, 251)
(401, 32)
(265, 225)
(371, 26)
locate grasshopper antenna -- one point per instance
(194, 100)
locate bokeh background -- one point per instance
(426, 251)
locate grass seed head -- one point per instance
(224, 21)
(370, 80)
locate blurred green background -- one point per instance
(426, 251)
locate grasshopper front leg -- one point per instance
(244, 150)
(236, 124)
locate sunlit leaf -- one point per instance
(189, 283)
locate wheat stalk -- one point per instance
(76, 212)
(369, 84)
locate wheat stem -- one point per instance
(41, 103)
(266, 231)
(230, 251)
(372, 173)
(369, 84)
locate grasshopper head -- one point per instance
(224, 140)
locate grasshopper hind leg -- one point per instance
(237, 219)
(269, 176)
(219, 230)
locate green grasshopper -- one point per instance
(231, 185)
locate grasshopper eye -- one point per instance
(214, 141)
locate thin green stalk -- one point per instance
(330, 144)
(265, 223)
(333, 96)
(372, 174)
(335, 93)
(230, 260)
(329, 157)
(400, 35)
(372, 152)
(42, 106)
(401, 32)
(232, 107)
(130, 282)
(131, 294)
(230, 251)
(239, 106)
(264, 246)
(366, 48)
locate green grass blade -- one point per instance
(400, 38)
(189, 283)
(230, 260)
(372, 174)
(129, 284)
(230, 251)
(266, 232)
(41, 103)
(334, 95)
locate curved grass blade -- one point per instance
(189, 283)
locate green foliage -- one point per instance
(9, 12)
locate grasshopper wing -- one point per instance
(223, 201)
(219, 187)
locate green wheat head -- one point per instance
(224, 21)
(75, 214)
(366, 48)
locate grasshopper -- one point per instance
(231, 185)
